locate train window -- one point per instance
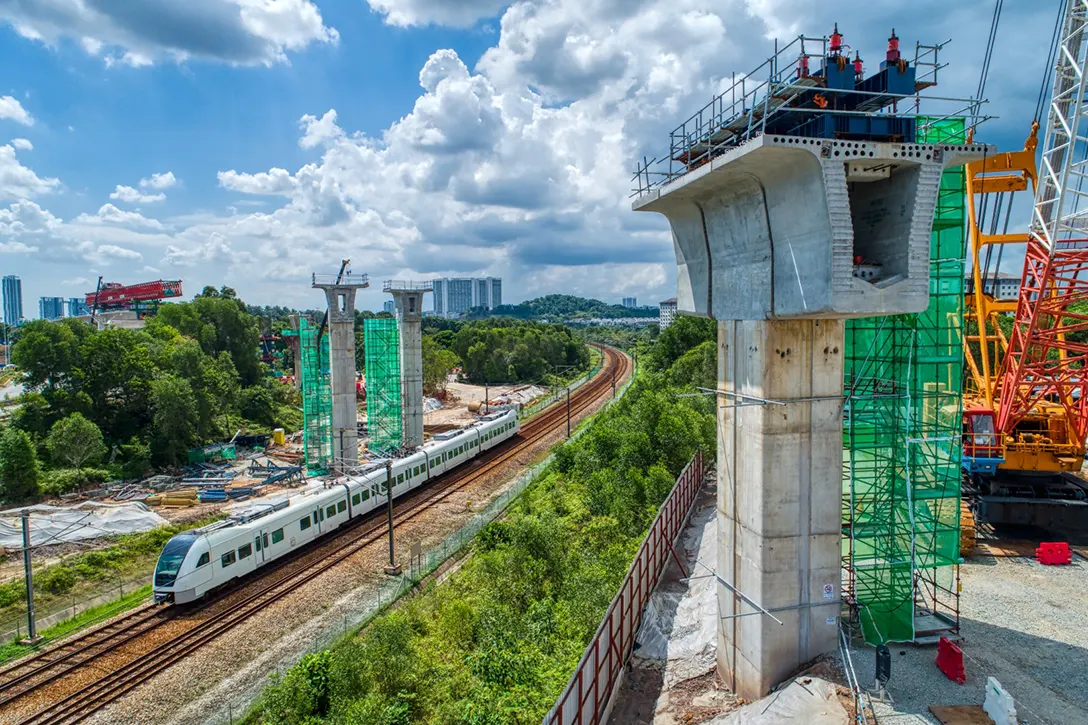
(257, 543)
(330, 511)
(304, 523)
(415, 471)
(320, 515)
(443, 456)
(366, 495)
(355, 499)
(228, 558)
(244, 552)
(341, 506)
(204, 559)
(400, 479)
(277, 536)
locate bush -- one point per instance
(56, 579)
(66, 480)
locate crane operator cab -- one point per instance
(981, 443)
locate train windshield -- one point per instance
(170, 560)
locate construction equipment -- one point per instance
(1025, 416)
(116, 296)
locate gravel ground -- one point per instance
(223, 678)
(1025, 624)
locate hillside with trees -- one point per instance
(558, 308)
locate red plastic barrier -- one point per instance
(1054, 553)
(950, 661)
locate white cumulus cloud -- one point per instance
(130, 195)
(11, 109)
(518, 166)
(438, 12)
(22, 144)
(136, 34)
(18, 181)
(159, 181)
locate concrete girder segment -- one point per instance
(771, 229)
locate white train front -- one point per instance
(197, 561)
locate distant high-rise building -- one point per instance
(668, 312)
(51, 308)
(439, 286)
(390, 306)
(77, 307)
(454, 296)
(13, 299)
(630, 302)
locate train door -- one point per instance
(258, 549)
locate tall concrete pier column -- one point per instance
(408, 297)
(294, 344)
(780, 239)
(340, 291)
(779, 491)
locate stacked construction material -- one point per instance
(186, 497)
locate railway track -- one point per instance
(35, 675)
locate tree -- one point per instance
(175, 418)
(19, 469)
(75, 442)
(438, 363)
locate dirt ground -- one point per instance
(455, 410)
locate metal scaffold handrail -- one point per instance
(779, 85)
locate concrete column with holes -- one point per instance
(780, 240)
(341, 299)
(408, 297)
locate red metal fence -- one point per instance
(586, 697)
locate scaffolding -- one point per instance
(384, 416)
(902, 429)
(316, 397)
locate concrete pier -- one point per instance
(779, 491)
(780, 239)
(340, 291)
(408, 297)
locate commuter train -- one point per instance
(195, 562)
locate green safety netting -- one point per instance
(383, 390)
(316, 397)
(901, 481)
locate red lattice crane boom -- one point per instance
(113, 295)
(1046, 356)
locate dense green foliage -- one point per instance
(569, 307)
(496, 643)
(511, 351)
(75, 441)
(438, 363)
(137, 397)
(19, 468)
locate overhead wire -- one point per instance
(1050, 59)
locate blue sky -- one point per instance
(251, 142)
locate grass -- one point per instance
(13, 650)
(90, 573)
